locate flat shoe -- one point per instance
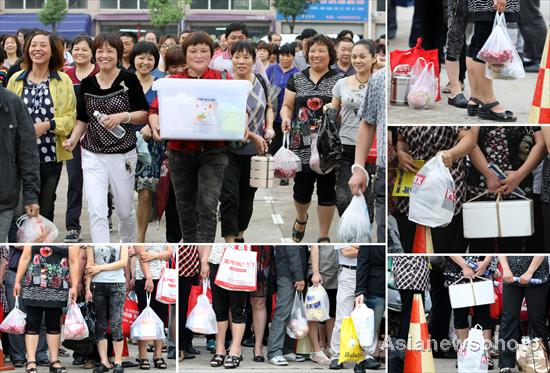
(458, 101)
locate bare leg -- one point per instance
(117, 347)
(220, 337)
(229, 239)
(474, 87)
(158, 349)
(142, 347)
(329, 324)
(237, 330)
(102, 350)
(54, 340)
(259, 318)
(143, 213)
(453, 71)
(314, 335)
(31, 343)
(484, 86)
(326, 213)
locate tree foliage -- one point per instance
(291, 9)
(52, 13)
(166, 12)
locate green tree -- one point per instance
(166, 12)
(52, 13)
(291, 9)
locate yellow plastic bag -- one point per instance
(349, 343)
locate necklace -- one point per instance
(361, 84)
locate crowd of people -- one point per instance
(91, 104)
(521, 153)
(44, 281)
(350, 275)
(523, 284)
(458, 30)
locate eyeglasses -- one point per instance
(165, 46)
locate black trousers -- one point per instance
(441, 308)
(546, 217)
(449, 239)
(407, 297)
(185, 336)
(509, 245)
(533, 29)
(512, 297)
(74, 191)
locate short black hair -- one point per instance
(145, 47)
(343, 33)
(236, 26)
(263, 45)
(345, 40)
(112, 40)
(324, 40)
(129, 35)
(288, 49)
(244, 45)
(270, 35)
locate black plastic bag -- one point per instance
(328, 140)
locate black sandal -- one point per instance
(217, 360)
(485, 112)
(473, 110)
(60, 369)
(160, 363)
(30, 370)
(144, 364)
(232, 362)
(458, 101)
(298, 236)
(323, 240)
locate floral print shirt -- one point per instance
(46, 283)
(308, 109)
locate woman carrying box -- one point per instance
(460, 267)
(197, 167)
(517, 151)
(108, 160)
(526, 269)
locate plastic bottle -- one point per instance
(118, 131)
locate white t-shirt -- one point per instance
(344, 260)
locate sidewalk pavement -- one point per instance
(271, 221)
(515, 95)
(201, 363)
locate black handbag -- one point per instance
(328, 141)
(85, 346)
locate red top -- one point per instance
(71, 71)
(191, 146)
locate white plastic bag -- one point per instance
(167, 288)
(202, 318)
(317, 304)
(297, 327)
(354, 225)
(14, 322)
(502, 60)
(415, 72)
(75, 326)
(363, 319)
(422, 91)
(433, 195)
(36, 229)
(286, 163)
(472, 354)
(148, 326)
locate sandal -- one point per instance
(144, 364)
(217, 360)
(232, 362)
(485, 112)
(298, 236)
(491, 364)
(160, 363)
(30, 370)
(323, 240)
(458, 101)
(473, 110)
(60, 369)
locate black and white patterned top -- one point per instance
(39, 102)
(482, 10)
(256, 105)
(308, 109)
(520, 264)
(373, 111)
(453, 272)
(545, 197)
(411, 272)
(424, 143)
(113, 100)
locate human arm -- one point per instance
(94, 269)
(546, 137)
(22, 269)
(204, 253)
(350, 251)
(362, 273)
(467, 139)
(528, 275)
(467, 272)
(142, 255)
(89, 261)
(479, 161)
(365, 138)
(507, 275)
(74, 271)
(289, 101)
(64, 122)
(314, 256)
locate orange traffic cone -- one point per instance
(418, 357)
(3, 365)
(540, 109)
(423, 243)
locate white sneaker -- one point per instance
(320, 358)
(278, 361)
(295, 358)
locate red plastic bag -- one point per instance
(15, 322)
(196, 290)
(409, 57)
(130, 313)
(373, 153)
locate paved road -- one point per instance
(271, 222)
(200, 364)
(515, 95)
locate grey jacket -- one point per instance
(19, 162)
(291, 262)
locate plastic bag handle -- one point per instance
(286, 140)
(148, 295)
(16, 302)
(19, 222)
(205, 284)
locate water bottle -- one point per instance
(474, 266)
(533, 281)
(118, 131)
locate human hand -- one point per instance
(507, 276)
(406, 162)
(525, 278)
(316, 279)
(41, 128)
(300, 285)
(93, 270)
(493, 183)
(285, 124)
(469, 273)
(69, 144)
(113, 120)
(499, 5)
(146, 133)
(149, 285)
(358, 182)
(512, 181)
(359, 299)
(447, 158)
(89, 295)
(205, 270)
(32, 210)
(147, 257)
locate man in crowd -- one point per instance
(343, 57)
(129, 39)
(300, 58)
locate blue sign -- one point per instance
(334, 10)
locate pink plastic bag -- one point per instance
(286, 162)
(15, 322)
(297, 326)
(36, 229)
(422, 90)
(75, 327)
